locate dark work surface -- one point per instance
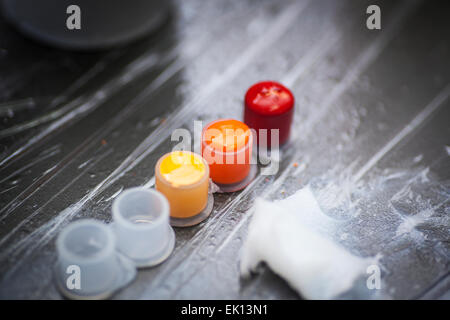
(371, 137)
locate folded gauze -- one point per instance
(282, 235)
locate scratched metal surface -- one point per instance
(371, 137)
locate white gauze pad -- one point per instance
(281, 234)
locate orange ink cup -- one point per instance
(227, 148)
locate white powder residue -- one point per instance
(423, 176)
(418, 158)
(409, 223)
(337, 191)
(406, 191)
(281, 235)
(403, 193)
(447, 148)
(344, 236)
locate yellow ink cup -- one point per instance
(183, 178)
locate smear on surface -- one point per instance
(281, 234)
(410, 222)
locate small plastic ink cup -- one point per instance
(227, 147)
(269, 106)
(141, 225)
(183, 177)
(89, 266)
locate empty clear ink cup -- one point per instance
(141, 225)
(89, 267)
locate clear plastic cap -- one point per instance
(88, 265)
(141, 225)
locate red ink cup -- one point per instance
(269, 105)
